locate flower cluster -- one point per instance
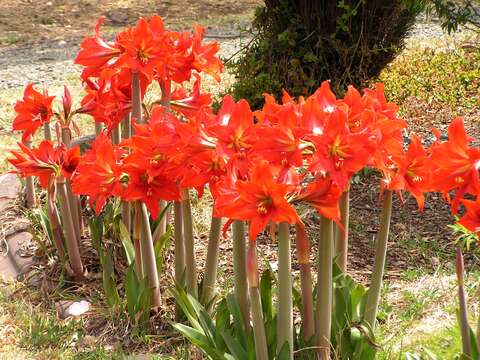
(256, 164)
(154, 54)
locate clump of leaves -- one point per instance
(436, 77)
(301, 43)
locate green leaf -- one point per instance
(234, 309)
(42, 216)
(199, 339)
(160, 246)
(284, 353)
(203, 318)
(143, 303)
(235, 347)
(96, 232)
(474, 345)
(131, 291)
(127, 243)
(109, 284)
(222, 321)
(266, 294)
(184, 302)
(195, 336)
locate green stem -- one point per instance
(137, 233)
(261, 349)
(190, 262)
(285, 302)
(73, 250)
(162, 225)
(127, 215)
(149, 259)
(136, 99)
(30, 198)
(303, 256)
(373, 297)
(325, 288)
(126, 206)
(240, 270)
(341, 237)
(478, 319)
(47, 132)
(73, 200)
(98, 128)
(462, 303)
(179, 251)
(211, 264)
(116, 135)
(54, 218)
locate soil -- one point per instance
(31, 21)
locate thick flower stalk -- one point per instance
(306, 281)
(285, 301)
(261, 349)
(54, 164)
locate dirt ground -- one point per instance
(31, 21)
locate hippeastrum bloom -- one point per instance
(323, 194)
(235, 132)
(471, 220)
(205, 54)
(149, 190)
(456, 165)
(281, 142)
(99, 173)
(189, 104)
(413, 171)
(32, 111)
(96, 53)
(260, 200)
(206, 167)
(45, 161)
(142, 46)
(109, 99)
(339, 152)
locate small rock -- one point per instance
(12, 264)
(67, 308)
(10, 187)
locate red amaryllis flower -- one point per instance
(32, 111)
(205, 55)
(96, 53)
(235, 132)
(206, 167)
(325, 97)
(149, 190)
(471, 220)
(142, 46)
(323, 195)
(109, 99)
(260, 200)
(45, 161)
(413, 171)
(339, 152)
(281, 142)
(189, 104)
(456, 165)
(99, 173)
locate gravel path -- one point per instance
(49, 62)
